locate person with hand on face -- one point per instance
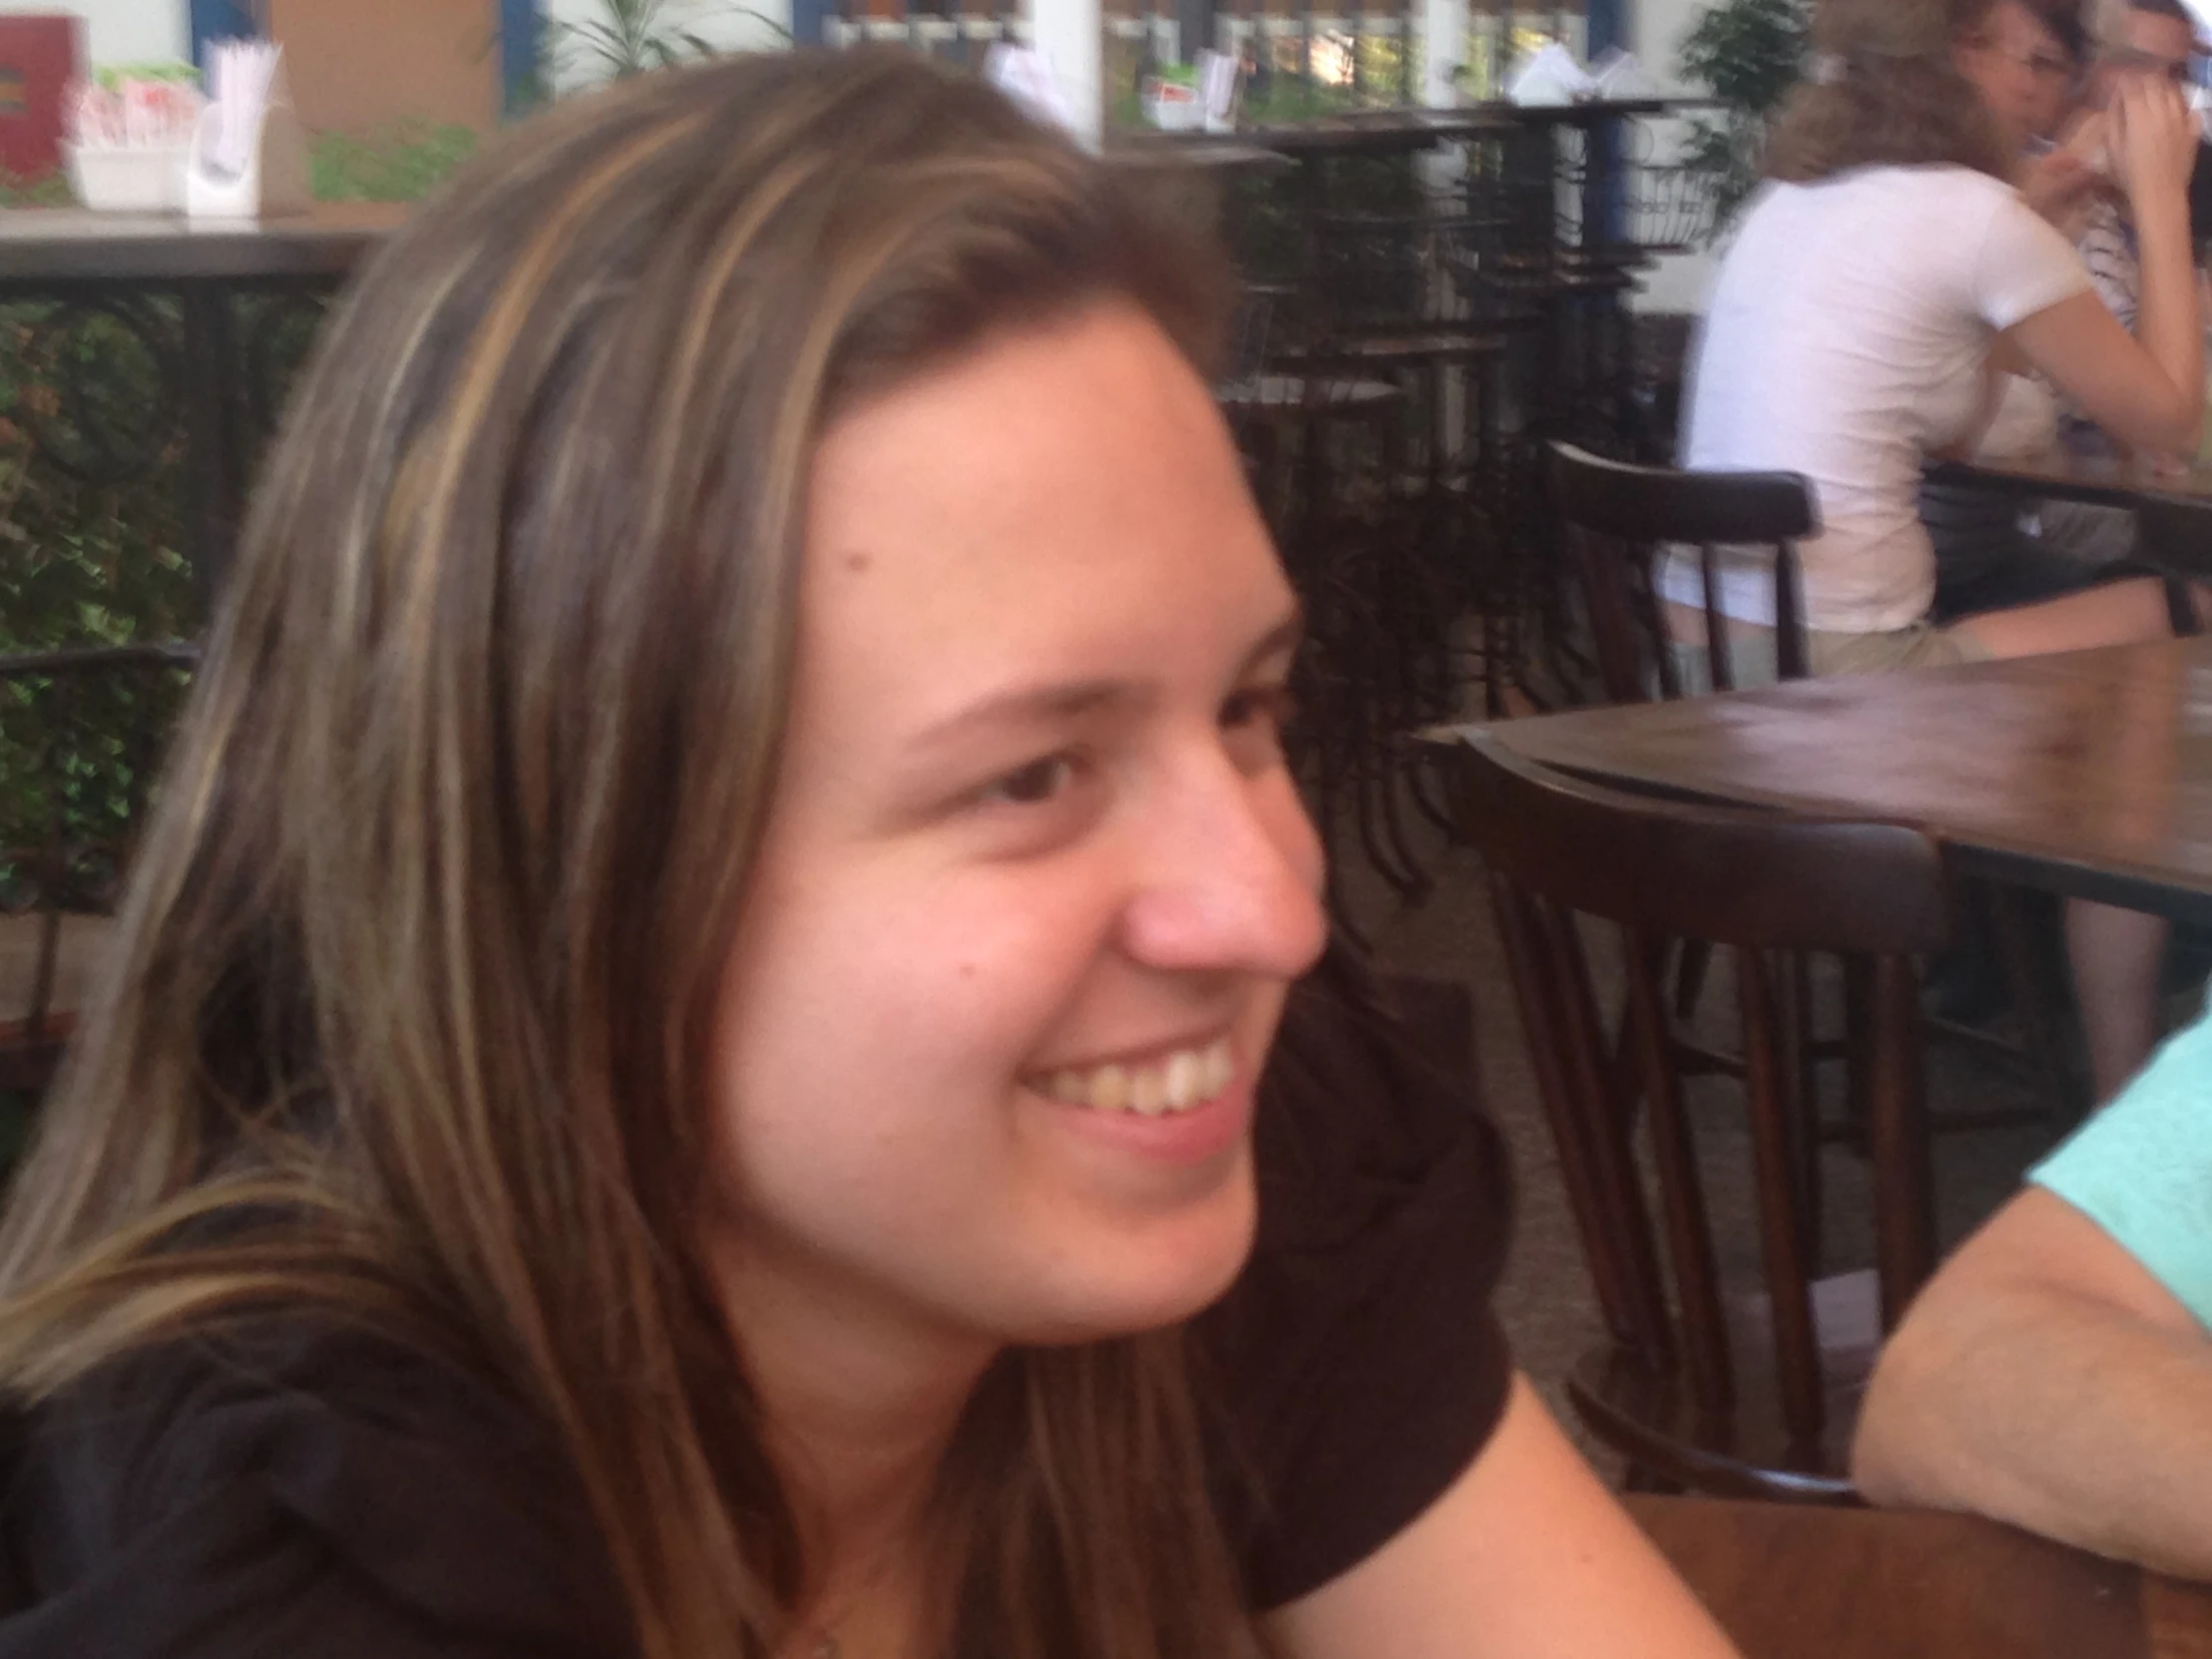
(2138, 42)
(2154, 39)
(1990, 553)
(1875, 289)
(2026, 62)
(725, 1043)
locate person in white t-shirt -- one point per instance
(1881, 282)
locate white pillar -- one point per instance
(1071, 35)
(1443, 47)
(121, 31)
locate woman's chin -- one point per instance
(1170, 1275)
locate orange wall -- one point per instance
(359, 64)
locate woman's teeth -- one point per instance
(1182, 1080)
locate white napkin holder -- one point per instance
(127, 178)
(276, 182)
(1549, 77)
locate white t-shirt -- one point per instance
(1847, 340)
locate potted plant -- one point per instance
(621, 38)
(1748, 54)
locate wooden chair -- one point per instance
(1615, 513)
(1616, 516)
(80, 736)
(1689, 1402)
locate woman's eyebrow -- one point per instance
(1280, 640)
(1069, 699)
(1031, 705)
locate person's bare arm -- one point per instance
(1525, 1556)
(2044, 1378)
(2147, 389)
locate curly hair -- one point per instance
(2068, 25)
(1885, 92)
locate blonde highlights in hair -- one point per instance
(412, 982)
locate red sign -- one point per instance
(39, 57)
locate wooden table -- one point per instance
(2062, 475)
(1813, 1583)
(2087, 773)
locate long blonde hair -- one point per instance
(408, 1002)
(1885, 91)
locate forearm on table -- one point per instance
(2169, 320)
(2054, 1411)
(1525, 1556)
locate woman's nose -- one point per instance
(1230, 878)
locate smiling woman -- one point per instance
(724, 1044)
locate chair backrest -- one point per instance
(81, 733)
(1563, 855)
(1616, 514)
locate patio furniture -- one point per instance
(1825, 1583)
(1686, 1390)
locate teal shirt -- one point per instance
(2141, 1169)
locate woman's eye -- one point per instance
(1034, 784)
(1267, 705)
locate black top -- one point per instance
(315, 1493)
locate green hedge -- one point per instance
(100, 560)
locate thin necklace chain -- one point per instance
(827, 1645)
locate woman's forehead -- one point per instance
(1067, 492)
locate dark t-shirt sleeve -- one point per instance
(1355, 1369)
(309, 1494)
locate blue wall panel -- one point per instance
(518, 48)
(1608, 25)
(222, 20)
(807, 18)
